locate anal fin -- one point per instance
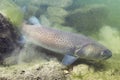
(68, 59)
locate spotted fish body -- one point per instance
(55, 40)
(72, 45)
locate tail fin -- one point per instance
(34, 20)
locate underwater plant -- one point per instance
(11, 11)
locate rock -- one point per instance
(52, 72)
(80, 70)
(55, 3)
(3, 78)
(87, 19)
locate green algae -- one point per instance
(10, 10)
(109, 70)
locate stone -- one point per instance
(52, 72)
(80, 70)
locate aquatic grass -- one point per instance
(109, 69)
(111, 72)
(10, 10)
(110, 37)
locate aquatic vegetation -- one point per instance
(40, 67)
(64, 28)
(36, 65)
(56, 20)
(56, 11)
(87, 19)
(52, 72)
(60, 3)
(80, 71)
(30, 52)
(43, 70)
(11, 11)
(21, 2)
(45, 21)
(30, 11)
(110, 37)
(56, 14)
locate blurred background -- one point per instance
(99, 19)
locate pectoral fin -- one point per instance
(68, 59)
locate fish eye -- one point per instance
(102, 53)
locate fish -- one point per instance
(72, 45)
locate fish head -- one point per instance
(93, 51)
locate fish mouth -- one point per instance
(108, 56)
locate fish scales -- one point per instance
(55, 40)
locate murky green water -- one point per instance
(99, 19)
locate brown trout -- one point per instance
(72, 45)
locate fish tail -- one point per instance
(33, 20)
